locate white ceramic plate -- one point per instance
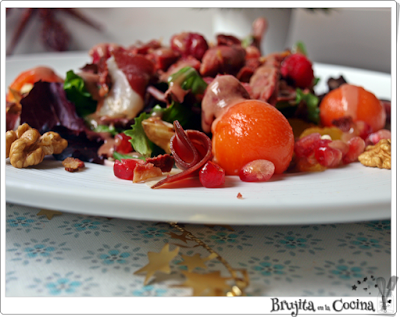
(351, 193)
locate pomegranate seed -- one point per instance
(122, 144)
(374, 138)
(356, 147)
(212, 175)
(124, 169)
(306, 145)
(257, 171)
(328, 156)
(340, 145)
(363, 129)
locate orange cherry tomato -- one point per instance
(252, 130)
(353, 101)
(32, 76)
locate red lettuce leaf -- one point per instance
(79, 146)
(47, 106)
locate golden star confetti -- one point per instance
(181, 237)
(212, 284)
(49, 213)
(158, 262)
(191, 262)
(240, 283)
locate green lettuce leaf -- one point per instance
(106, 128)
(177, 111)
(188, 78)
(76, 92)
(300, 47)
(312, 104)
(140, 142)
(119, 156)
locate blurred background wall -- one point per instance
(356, 37)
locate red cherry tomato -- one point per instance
(124, 169)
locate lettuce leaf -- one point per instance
(79, 146)
(106, 128)
(119, 156)
(47, 106)
(177, 111)
(139, 140)
(74, 87)
(300, 47)
(312, 102)
(188, 78)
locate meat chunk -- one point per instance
(223, 59)
(264, 82)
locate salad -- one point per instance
(209, 108)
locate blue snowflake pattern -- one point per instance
(365, 243)
(317, 227)
(69, 284)
(25, 221)
(269, 268)
(146, 232)
(117, 257)
(136, 288)
(383, 227)
(44, 251)
(320, 292)
(344, 271)
(149, 290)
(86, 225)
(62, 285)
(293, 243)
(114, 256)
(10, 276)
(220, 237)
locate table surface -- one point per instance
(80, 255)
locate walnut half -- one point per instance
(378, 155)
(27, 147)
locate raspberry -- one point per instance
(298, 68)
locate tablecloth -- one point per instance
(49, 253)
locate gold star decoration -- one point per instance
(158, 262)
(181, 237)
(211, 284)
(194, 261)
(49, 213)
